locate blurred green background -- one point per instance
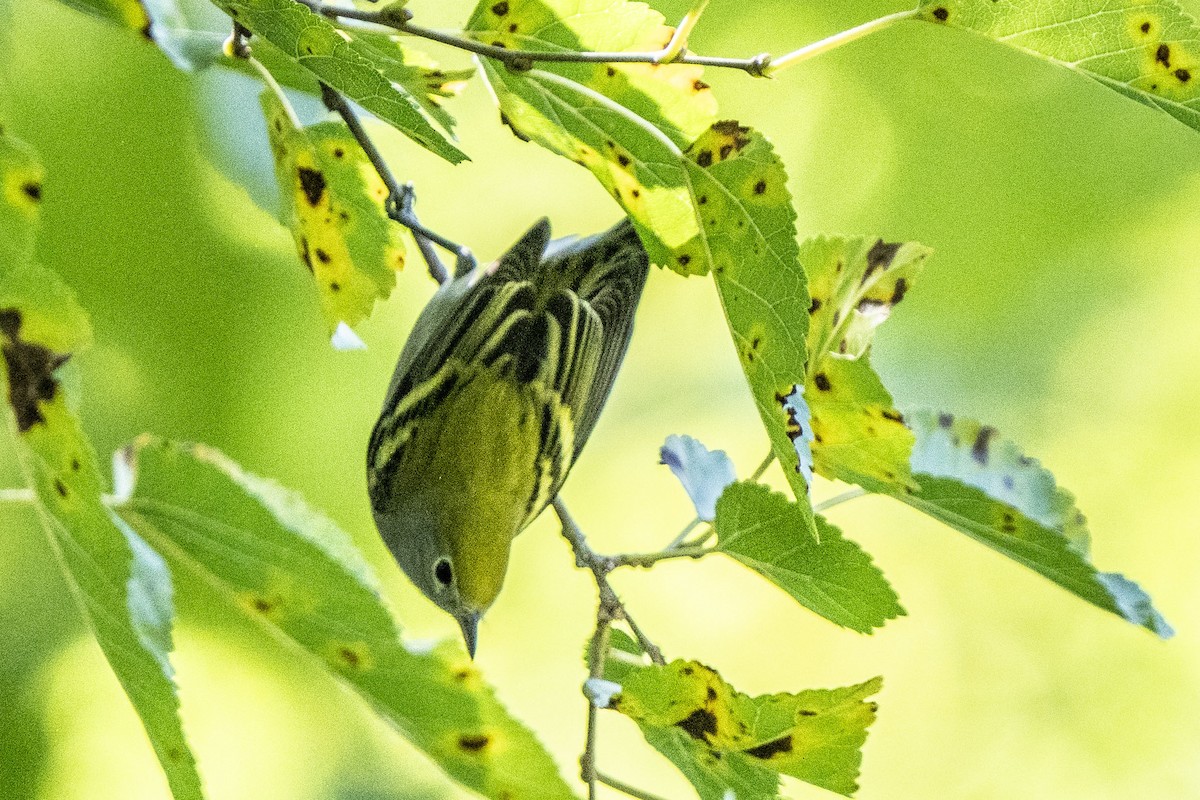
(1060, 307)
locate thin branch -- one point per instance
(522, 60)
(625, 788)
(837, 500)
(675, 52)
(600, 566)
(400, 197)
(647, 560)
(597, 653)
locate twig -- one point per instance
(399, 203)
(625, 788)
(647, 560)
(597, 652)
(400, 197)
(675, 52)
(600, 566)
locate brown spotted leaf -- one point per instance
(628, 124)
(123, 587)
(855, 283)
(21, 177)
(718, 203)
(333, 201)
(292, 569)
(976, 481)
(1148, 51)
(725, 741)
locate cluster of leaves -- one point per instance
(709, 197)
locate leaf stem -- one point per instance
(832, 42)
(625, 788)
(764, 466)
(683, 534)
(837, 500)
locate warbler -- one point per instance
(495, 393)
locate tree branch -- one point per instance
(675, 52)
(399, 204)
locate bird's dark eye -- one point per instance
(442, 571)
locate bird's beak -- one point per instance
(469, 623)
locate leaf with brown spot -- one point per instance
(161, 22)
(333, 201)
(123, 587)
(249, 538)
(983, 485)
(855, 283)
(20, 207)
(1137, 49)
(723, 740)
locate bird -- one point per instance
(494, 395)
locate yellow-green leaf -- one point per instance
(333, 201)
(122, 586)
(725, 741)
(292, 569)
(859, 436)
(1148, 51)
(21, 177)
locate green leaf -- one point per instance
(1148, 51)
(122, 586)
(296, 572)
(333, 201)
(704, 473)
(161, 22)
(855, 283)
(21, 177)
(766, 532)
(981, 484)
(725, 741)
(351, 67)
(417, 73)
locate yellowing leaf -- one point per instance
(673, 97)
(1148, 51)
(21, 177)
(859, 436)
(123, 588)
(297, 573)
(333, 201)
(723, 740)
